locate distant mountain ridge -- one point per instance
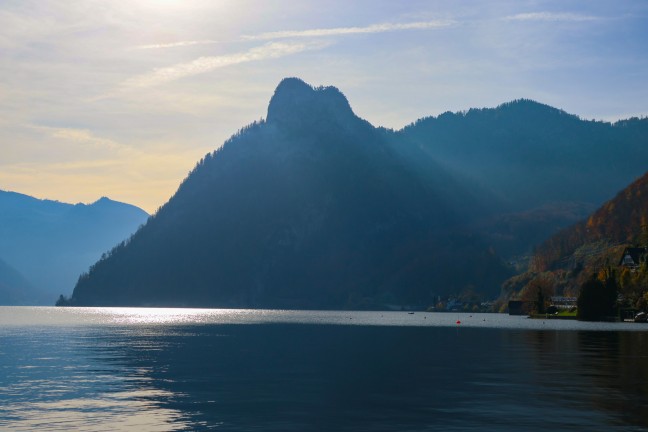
(316, 208)
(15, 289)
(533, 154)
(51, 243)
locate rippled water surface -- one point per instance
(109, 369)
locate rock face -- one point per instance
(296, 104)
(312, 208)
(51, 243)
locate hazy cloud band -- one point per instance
(374, 28)
(549, 16)
(177, 44)
(206, 64)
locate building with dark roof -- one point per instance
(632, 257)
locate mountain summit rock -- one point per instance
(295, 101)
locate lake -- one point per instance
(110, 369)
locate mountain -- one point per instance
(568, 258)
(311, 208)
(51, 243)
(15, 289)
(514, 235)
(533, 155)
(316, 208)
(620, 221)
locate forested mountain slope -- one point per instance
(532, 154)
(568, 258)
(621, 221)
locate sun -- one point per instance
(164, 4)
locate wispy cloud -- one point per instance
(80, 144)
(206, 64)
(177, 44)
(338, 31)
(82, 136)
(550, 16)
(312, 33)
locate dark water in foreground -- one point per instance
(135, 369)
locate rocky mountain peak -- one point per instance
(294, 101)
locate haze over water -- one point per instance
(239, 370)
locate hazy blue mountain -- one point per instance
(15, 289)
(532, 155)
(312, 208)
(514, 235)
(51, 243)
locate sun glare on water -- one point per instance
(156, 316)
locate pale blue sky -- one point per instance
(121, 98)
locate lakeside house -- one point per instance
(564, 302)
(526, 307)
(632, 257)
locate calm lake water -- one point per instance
(109, 369)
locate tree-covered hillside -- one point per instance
(620, 221)
(568, 259)
(532, 154)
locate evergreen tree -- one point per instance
(597, 298)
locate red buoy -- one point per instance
(458, 322)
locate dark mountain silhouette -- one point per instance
(316, 208)
(312, 208)
(533, 155)
(51, 243)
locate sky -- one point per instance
(121, 98)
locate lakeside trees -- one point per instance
(598, 296)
